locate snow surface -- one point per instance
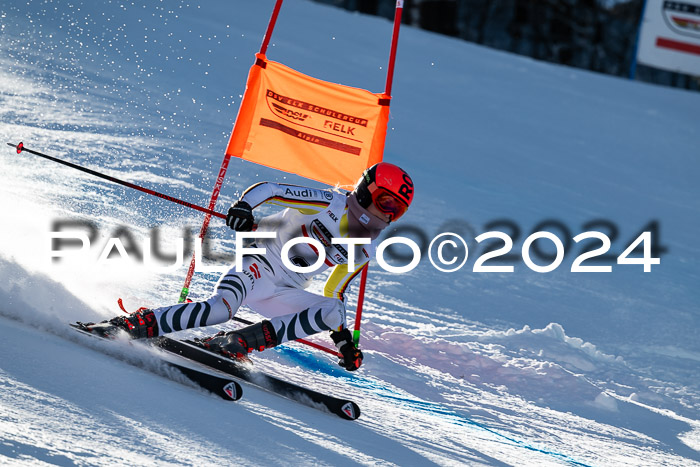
(463, 368)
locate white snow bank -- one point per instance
(529, 365)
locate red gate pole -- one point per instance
(270, 27)
(394, 45)
(387, 91)
(224, 167)
(205, 225)
(360, 302)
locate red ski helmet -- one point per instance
(386, 186)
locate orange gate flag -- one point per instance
(319, 130)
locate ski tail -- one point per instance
(223, 387)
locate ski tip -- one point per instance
(83, 328)
(86, 328)
(349, 411)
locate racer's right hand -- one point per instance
(240, 217)
(352, 357)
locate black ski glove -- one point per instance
(240, 217)
(352, 356)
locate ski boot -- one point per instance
(239, 343)
(138, 325)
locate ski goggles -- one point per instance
(389, 204)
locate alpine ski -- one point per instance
(225, 388)
(343, 408)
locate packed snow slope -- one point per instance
(522, 367)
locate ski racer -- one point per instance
(266, 285)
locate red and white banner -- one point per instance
(670, 36)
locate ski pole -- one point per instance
(20, 148)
